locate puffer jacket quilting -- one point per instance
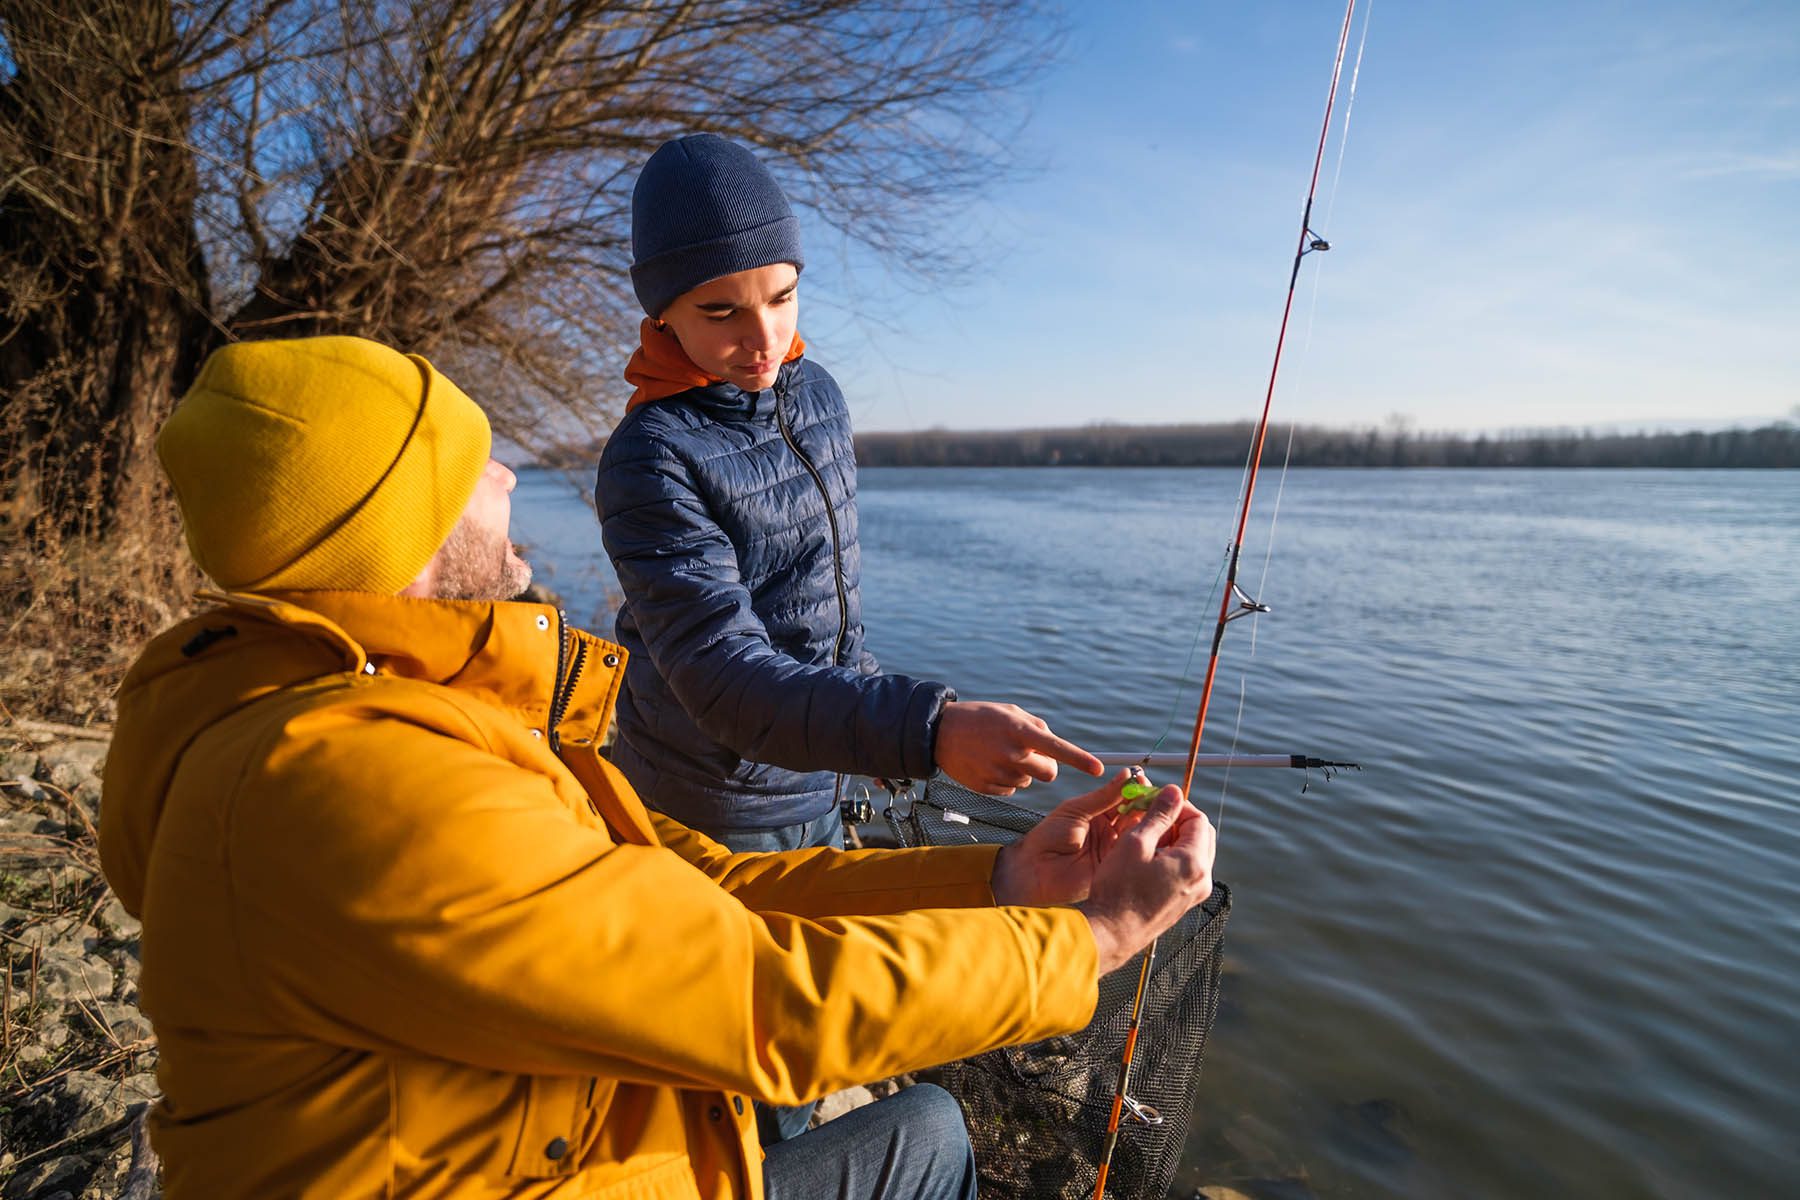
(730, 518)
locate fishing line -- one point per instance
(1312, 309)
(1349, 107)
(1225, 784)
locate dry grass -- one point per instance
(73, 615)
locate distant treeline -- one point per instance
(1776, 445)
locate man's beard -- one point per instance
(478, 564)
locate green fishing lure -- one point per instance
(1136, 794)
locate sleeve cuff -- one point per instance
(927, 709)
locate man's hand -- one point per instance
(1156, 871)
(996, 749)
(1055, 862)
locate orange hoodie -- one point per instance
(659, 367)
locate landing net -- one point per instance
(1037, 1114)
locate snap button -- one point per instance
(537, 733)
(543, 622)
(611, 660)
(715, 1113)
(737, 1102)
(557, 1148)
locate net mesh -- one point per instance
(1037, 1114)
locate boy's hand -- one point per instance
(996, 749)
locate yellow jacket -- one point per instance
(406, 933)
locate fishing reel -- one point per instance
(859, 809)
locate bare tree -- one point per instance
(448, 176)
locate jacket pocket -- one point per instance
(553, 1129)
(452, 1120)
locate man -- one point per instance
(406, 934)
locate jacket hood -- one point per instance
(660, 368)
(211, 666)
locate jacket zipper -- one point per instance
(565, 689)
(837, 553)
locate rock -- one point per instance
(142, 1086)
(140, 1179)
(46, 1180)
(18, 794)
(1286, 1187)
(125, 1023)
(839, 1103)
(32, 1055)
(65, 766)
(87, 794)
(18, 764)
(51, 827)
(64, 977)
(881, 1089)
(62, 934)
(117, 921)
(1219, 1192)
(52, 1032)
(77, 1103)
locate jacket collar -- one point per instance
(660, 368)
(512, 654)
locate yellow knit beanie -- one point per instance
(321, 463)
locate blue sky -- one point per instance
(1549, 214)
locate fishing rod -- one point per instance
(1299, 762)
(1233, 603)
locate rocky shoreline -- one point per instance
(77, 1057)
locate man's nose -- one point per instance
(503, 473)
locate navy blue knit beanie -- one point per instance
(705, 207)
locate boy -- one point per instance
(727, 497)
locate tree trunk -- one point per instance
(101, 276)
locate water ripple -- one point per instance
(1543, 943)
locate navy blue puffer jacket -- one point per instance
(730, 517)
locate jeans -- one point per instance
(774, 1124)
(827, 830)
(913, 1146)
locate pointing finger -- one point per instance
(1039, 767)
(1065, 751)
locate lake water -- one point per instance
(1547, 942)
